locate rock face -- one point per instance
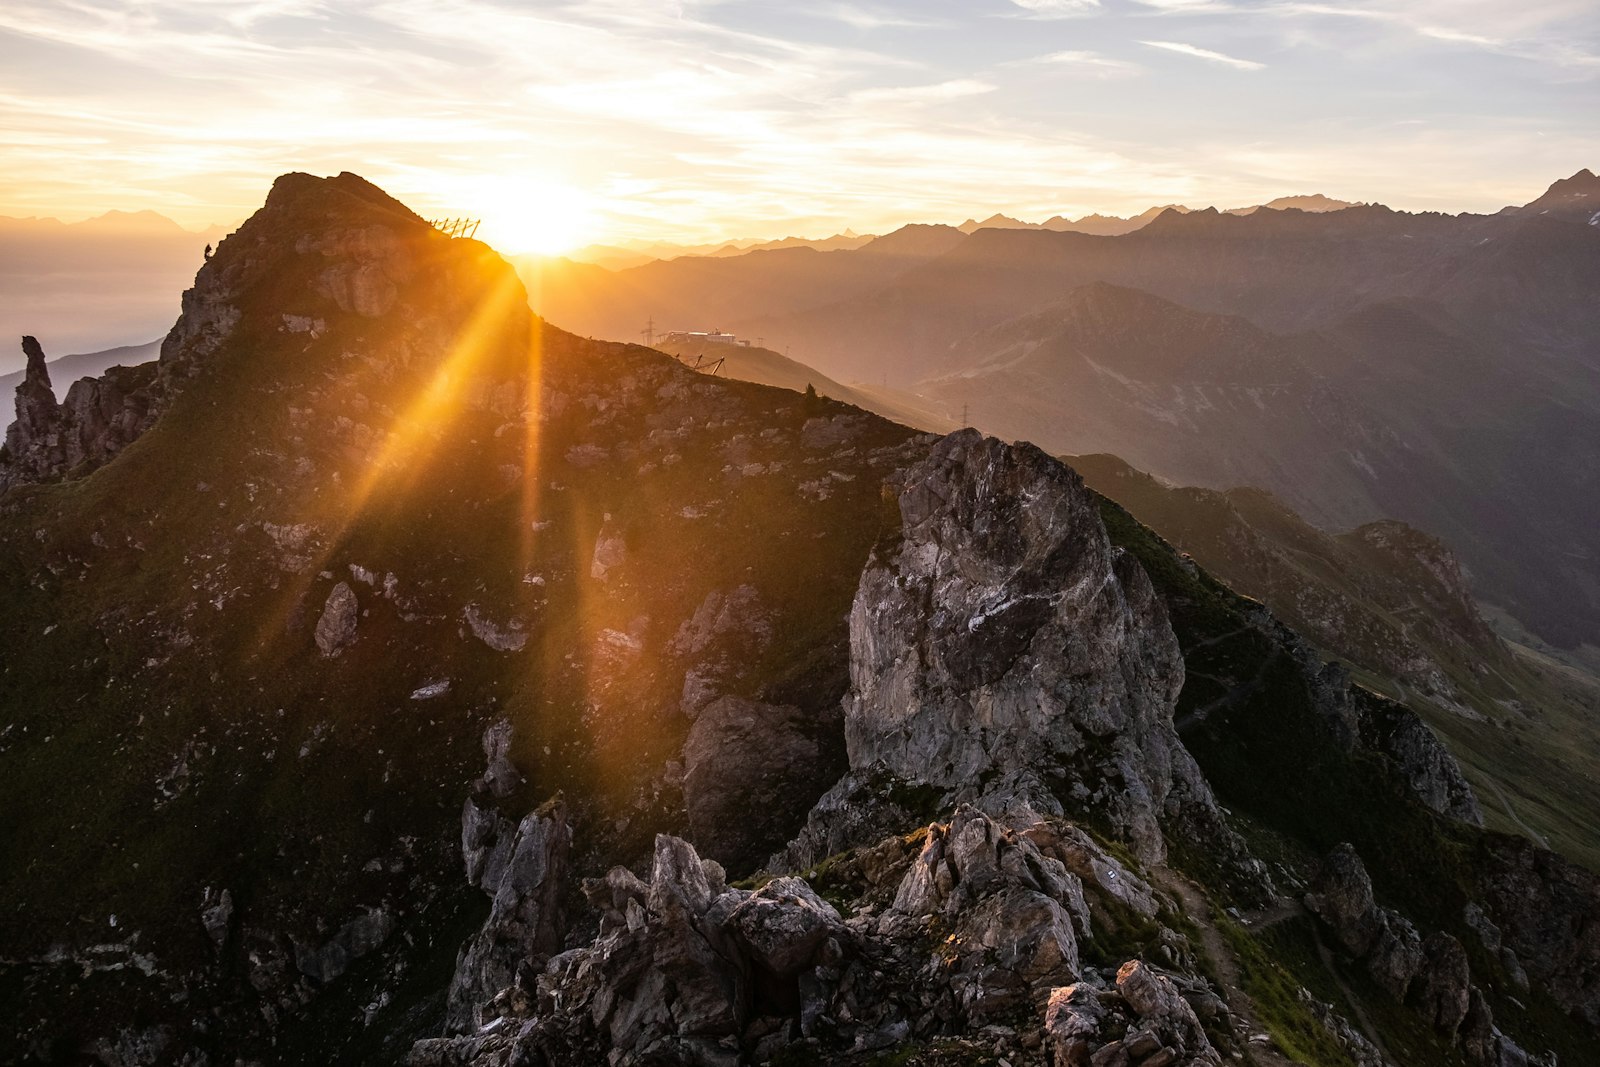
(1397, 733)
(525, 921)
(1003, 647)
(99, 418)
(744, 763)
(1548, 914)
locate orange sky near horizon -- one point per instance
(607, 121)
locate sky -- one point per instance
(609, 121)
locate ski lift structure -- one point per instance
(703, 362)
(703, 365)
(456, 227)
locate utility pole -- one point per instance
(964, 422)
(649, 333)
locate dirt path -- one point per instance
(1511, 813)
(1361, 1019)
(1220, 953)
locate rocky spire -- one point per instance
(36, 399)
(37, 416)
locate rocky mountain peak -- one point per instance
(1004, 650)
(1576, 196)
(327, 268)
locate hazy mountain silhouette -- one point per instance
(1400, 342)
(88, 285)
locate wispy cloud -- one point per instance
(1206, 53)
(1058, 9)
(1083, 63)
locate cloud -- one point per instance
(916, 94)
(1206, 53)
(1058, 9)
(1086, 64)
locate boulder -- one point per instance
(1444, 986)
(1342, 898)
(1072, 1022)
(336, 628)
(784, 924)
(1165, 1013)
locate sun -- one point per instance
(534, 215)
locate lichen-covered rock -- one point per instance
(1003, 648)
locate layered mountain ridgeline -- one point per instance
(294, 679)
(1396, 412)
(1449, 361)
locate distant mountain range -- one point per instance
(621, 257)
(91, 285)
(1363, 363)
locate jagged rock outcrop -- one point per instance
(980, 926)
(98, 419)
(1361, 720)
(526, 919)
(1015, 914)
(744, 763)
(1003, 648)
(1431, 975)
(1343, 899)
